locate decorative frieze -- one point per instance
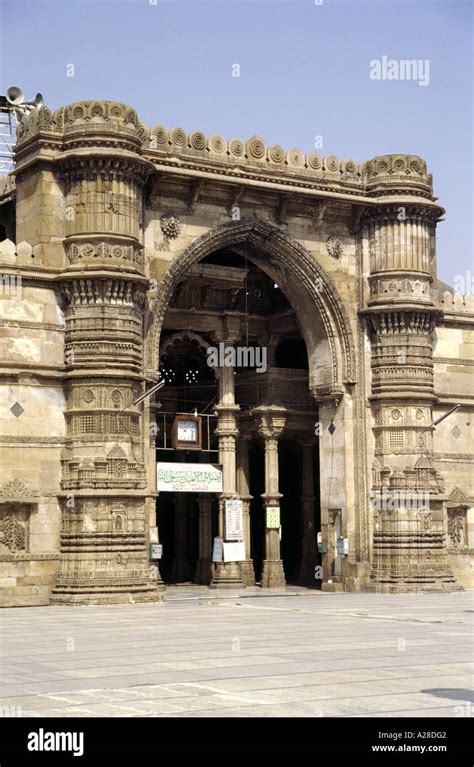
(101, 292)
(101, 423)
(105, 254)
(114, 470)
(96, 394)
(410, 321)
(401, 288)
(102, 123)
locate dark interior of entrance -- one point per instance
(227, 289)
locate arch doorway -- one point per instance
(240, 296)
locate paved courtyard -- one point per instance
(202, 653)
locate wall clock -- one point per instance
(186, 432)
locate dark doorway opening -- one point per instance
(289, 461)
(180, 552)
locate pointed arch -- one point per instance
(323, 320)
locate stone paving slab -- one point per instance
(299, 653)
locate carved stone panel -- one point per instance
(457, 528)
(13, 529)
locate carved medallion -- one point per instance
(334, 246)
(170, 226)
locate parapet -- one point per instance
(109, 124)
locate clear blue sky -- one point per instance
(304, 72)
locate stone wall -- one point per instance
(32, 431)
(454, 437)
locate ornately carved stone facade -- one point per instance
(123, 246)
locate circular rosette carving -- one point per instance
(334, 246)
(349, 167)
(399, 164)
(97, 110)
(131, 118)
(237, 148)
(276, 154)
(331, 163)
(116, 397)
(295, 158)
(78, 113)
(314, 161)
(159, 135)
(217, 144)
(383, 166)
(197, 140)
(143, 132)
(178, 137)
(255, 148)
(116, 110)
(170, 226)
(415, 166)
(87, 251)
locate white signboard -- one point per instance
(188, 477)
(234, 520)
(156, 550)
(234, 552)
(273, 517)
(217, 550)
(342, 546)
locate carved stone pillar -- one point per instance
(271, 421)
(308, 541)
(227, 574)
(104, 540)
(204, 564)
(247, 569)
(409, 545)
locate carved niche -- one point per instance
(457, 528)
(13, 529)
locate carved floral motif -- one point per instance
(334, 246)
(12, 533)
(457, 527)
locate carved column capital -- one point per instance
(270, 421)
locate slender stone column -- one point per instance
(247, 569)
(203, 567)
(227, 575)
(308, 542)
(181, 570)
(270, 424)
